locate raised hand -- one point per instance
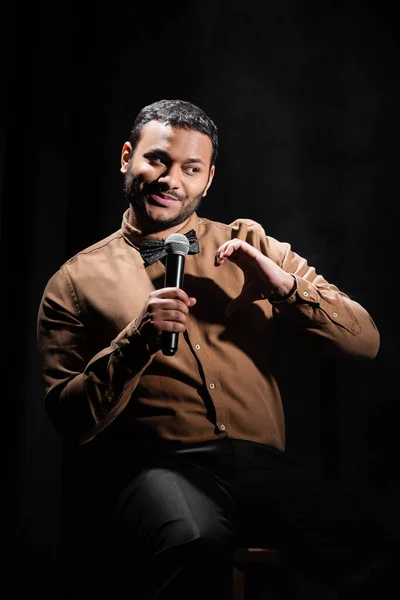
(262, 277)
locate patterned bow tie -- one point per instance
(153, 250)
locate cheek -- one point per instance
(144, 171)
(197, 189)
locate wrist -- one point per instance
(284, 291)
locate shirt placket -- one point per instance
(209, 374)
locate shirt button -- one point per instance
(305, 294)
(197, 346)
(334, 314)
(212, 386)
(222, 427)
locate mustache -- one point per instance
(154, 187)
(138, 188)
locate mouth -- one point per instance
(163, 200)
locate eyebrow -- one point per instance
(167, 156)
(195, 160)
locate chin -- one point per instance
(156, 223)
(161, 214)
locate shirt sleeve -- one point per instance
(85, 389)
(338, 324)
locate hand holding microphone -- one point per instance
(164, 315)
(176, 246)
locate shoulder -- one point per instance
(90, 259)
(241, 228)
(104, 245)
(237, 228)
(248, 230)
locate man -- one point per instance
(193, 444)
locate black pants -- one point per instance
(187, 508)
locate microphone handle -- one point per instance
(174, 269)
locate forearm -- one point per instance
(94, 398)
(339, 325)
(87, 380)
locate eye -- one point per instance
(192, 170)
(156, 160)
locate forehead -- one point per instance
(181, 144)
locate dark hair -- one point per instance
(178, 113)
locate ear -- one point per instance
(125, 156)
(210, 178)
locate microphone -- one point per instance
(176, 246)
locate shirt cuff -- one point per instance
(132, 344)
(290, 298)
(303, 291)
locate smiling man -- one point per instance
(167, 175)
(191, 447)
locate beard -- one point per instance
(137, 192)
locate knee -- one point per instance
(205, 540)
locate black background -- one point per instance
(305, 96)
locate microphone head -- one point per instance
(176, 243)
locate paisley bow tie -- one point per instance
(153, 250)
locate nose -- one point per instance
(170, 177)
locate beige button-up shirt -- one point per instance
(98, 371)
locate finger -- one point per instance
(226, 252)
(173, 293)
(174, 316)
(173, 326)
(170, 320)
(227, 243)
(240, 252)
(156, 305)
(235, 244)
(231, 253)
(230, 248)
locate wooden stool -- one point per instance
(244, 560)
